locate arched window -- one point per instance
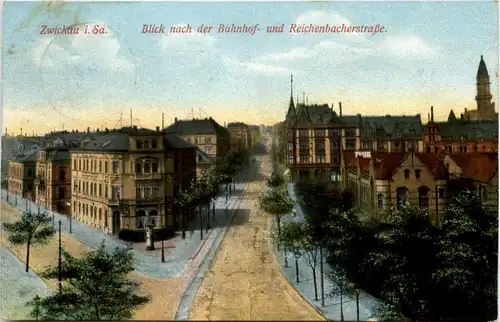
(401, 196)
(423, 198)
(380, 201)
(154, 220)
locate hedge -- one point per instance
(139, 236)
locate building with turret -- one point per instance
(485, 107)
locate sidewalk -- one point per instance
(305, 287)
(18, 287)
(178, 252)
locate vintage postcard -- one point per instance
(249, 160)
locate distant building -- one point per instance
(207, 134)
(240, 134)
(129, 178)
(485, 107)
(21, 176)
(460, 136)
(316, 134)
(53, 179)
(382, 180)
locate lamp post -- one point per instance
(321, 275)
(162, 252)
(59, 266)
(70, 217)
(201, 222)
(297, 267)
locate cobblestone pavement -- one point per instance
(244, 281)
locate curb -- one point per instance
(182, 312)
(275, 253)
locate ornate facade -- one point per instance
(130, 178)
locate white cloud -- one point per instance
(102, 50)
(187, 41)
(258, 68)
(406, 46)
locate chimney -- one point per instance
(428, 117)
(465, 110)
(157, 129)
(88, 129)
(135, 127)
(340, 108)
(175, 120)
(97, 130)
(107, 130)
(432, 113)
(76, 131)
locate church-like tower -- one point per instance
(483, 98)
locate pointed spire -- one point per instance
(432, 114)
(482, 71)
(452, 117)
(291, 106)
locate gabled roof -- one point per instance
(173, 141)
(476, 166)
(434, 163)
(391, 126)
(385, 163)
(197, 126)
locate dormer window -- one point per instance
(407, 174)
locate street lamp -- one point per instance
(297, 267)
(70, 217)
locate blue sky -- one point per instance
(428, 56)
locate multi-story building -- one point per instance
(382, 180)
(460, 136)
(53, 179)
(21, 176)
(240, 134)
(207, 134)
(130, 178)
(254, 135)
(316, 134)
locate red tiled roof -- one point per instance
(349, 159)
(434, 163)
(363, 163)
(476, 166)
(386, 163)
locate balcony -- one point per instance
(142, 201)
(149, 176)
(114, 201)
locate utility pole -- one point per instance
(130, 117)
(59, 267)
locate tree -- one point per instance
(311, 253)
(97, 288)
(275, 202)
(32, 228)
(275, 180)
(467, 255)
(290, 237)
(187, 204)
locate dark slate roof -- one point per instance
(197, 126)
(391, 126)
(30, 157)
(112, 141)
(56, 154)
(468, 130)
(173, 141)
(237, 124)
(482, 70)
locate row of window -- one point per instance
(322, 133)
(200, 140)
(308, 159)
(449, 148)
(147, 192)
(146, 144)
(94, 189)
(95, 166)
(90, 211)
(145, 166)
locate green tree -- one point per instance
(32, 228)
(310, 253)
(275, 180)
(276, 203)
(97, 287)
(290, 236)
(467, 252)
